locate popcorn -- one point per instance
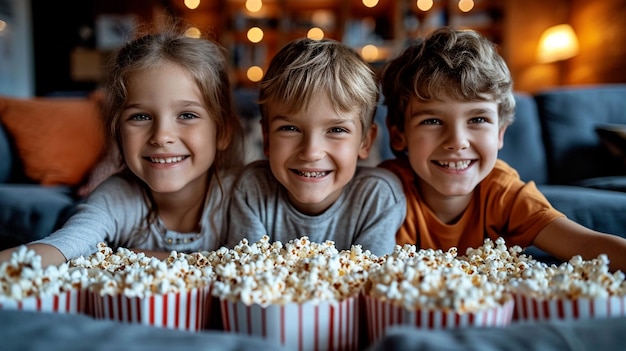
(23, 277)
(136, 275)
(276, 291)
(434, 280)
(574, 279)
(26, 285)
(269, 273)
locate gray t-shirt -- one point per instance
(116, 211)
(368, 213)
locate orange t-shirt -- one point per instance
(502, 205)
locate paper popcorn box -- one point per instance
(383, 314)
(298, 326)
(188, 310)
(533, 309)
(70, 302)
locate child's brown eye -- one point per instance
(431, 121)
(288, 128)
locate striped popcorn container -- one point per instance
(188, 310)
(384, 314)
(298, 326)
(533, 309)
(68, 302)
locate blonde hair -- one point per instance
(460, 64)
(305, 67)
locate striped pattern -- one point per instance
(531, 309)
(306, 326)
(383, 314)
(183, 311)
(70, 302)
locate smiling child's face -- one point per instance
(313, 153)
(452, 145)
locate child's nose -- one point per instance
(162, 134)
(311, 148)
(456, 139)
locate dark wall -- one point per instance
(56, 31)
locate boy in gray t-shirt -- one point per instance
(317, 100)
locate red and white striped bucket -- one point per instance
(69, 302)
(188, 310)
(383, 314)
(533, 309)
(299, 326)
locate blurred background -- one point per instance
(51, 48)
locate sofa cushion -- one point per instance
(569, 117)
(601, 210)
(523, 145)
(29, 212)
(57, 139)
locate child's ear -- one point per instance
(397, 139)
(501, 136)
(368, 141)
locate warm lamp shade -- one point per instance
(557, 43)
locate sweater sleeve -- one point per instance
(103, 217)
(383, 211)
(245, 213)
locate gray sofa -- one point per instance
(28, 211)
(552, 142)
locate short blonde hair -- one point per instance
(305, 67)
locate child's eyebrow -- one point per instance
(423, 111)
(482, 111)
(187, 103)
(326, 121)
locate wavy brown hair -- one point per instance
(459, 64)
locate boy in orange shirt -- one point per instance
(450, 100)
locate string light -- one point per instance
(255, 34)
(315, 33)
(192, 4)
(466, 5)
(255, 73)
(193, 32)
(254, 5)
(370, 3)
(424, 5)
(369, 53)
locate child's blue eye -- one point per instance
(339, 130)
(139, 117)
(188, 116)
(479, 120)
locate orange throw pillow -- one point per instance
(58, 140)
